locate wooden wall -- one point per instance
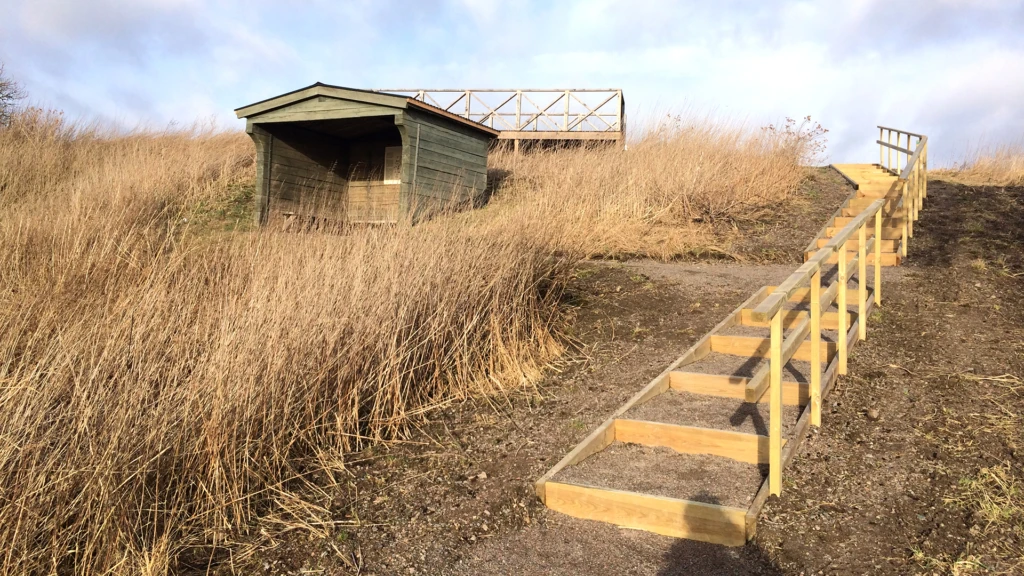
(444, 163)
(309, 163)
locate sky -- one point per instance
(951, 69)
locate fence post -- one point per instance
(775, 406)
(862, 288)
(878, 257)
(908, 209)
(841, 305)
(816, 348)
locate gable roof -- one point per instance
(367, 96)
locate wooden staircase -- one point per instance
(807, 325)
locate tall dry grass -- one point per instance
(658, 197)
(163, 383)
(991, 166)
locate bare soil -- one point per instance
(864, 495)
(665, 472)
(685, 409)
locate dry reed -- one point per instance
(992, 166)
(164, 384)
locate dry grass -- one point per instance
(168, 375)
(995, 166)
(659, 197)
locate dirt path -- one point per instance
(864, 495)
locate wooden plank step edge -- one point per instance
(735, 387)
(738, 446)
(659, 514)
(757, 347)
(790, 318)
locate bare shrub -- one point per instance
(10, 93)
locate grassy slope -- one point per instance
(170, 376)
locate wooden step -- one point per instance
(854, 244)
(888, 233)
(887, 222)
(738, 446)
(726, 386)
(667, 516)
(790, 318)
(876, 192)
(755, 347)
(887, 212)
(863, 203)
(888, 258)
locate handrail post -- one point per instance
(841, 305)
(909, 209)
(924, 154)
(917, 179)
(903, 235)
(878, 258)
(862, 288)
(881, 149)
(889, 140)
(816, 348)
(899, 138)
(775, 406)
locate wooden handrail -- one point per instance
(914, 158)
(901, 131)
(897, 148)
(771, 305)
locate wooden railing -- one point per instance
(911, 166)
(912, 174)
(559, 110)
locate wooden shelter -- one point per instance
(345, 154)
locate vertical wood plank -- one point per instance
(862, 287)
(889, 140)
(816, 348)
(878, 257)
(908, 210)
(880, 147)
(841, 304)
(775, 406)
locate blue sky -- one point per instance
(953, 69)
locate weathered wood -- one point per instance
(658, 514)
(739, 446)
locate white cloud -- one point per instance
(951, 68)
